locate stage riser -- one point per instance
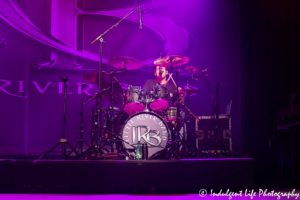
(184, 173)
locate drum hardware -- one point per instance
(189, 145)
(111, 117)
(93, 124)
(94, 96)
(177, 103)
(100, 38)
(174, 61)
(106, 85)
(63, 140)
(112, 92)
(93, 151)
(215, 106)
(81, 141)
(187, 91)
(147, 101)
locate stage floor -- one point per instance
(193, 173)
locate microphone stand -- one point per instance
(99, 117)
(63, 140)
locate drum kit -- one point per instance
(154, 118)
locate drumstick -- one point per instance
(173, 80)
(168, 79)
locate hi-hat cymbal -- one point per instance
(106, 81)
(188, 91)
(191, 69)
(176, 61)
(122, 62)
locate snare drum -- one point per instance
(133, 100)
(171, 115)
(146, 127)
(161, 100)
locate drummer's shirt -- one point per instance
(150, 83)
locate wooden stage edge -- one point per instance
(197, 173)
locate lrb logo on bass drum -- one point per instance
(147, 128)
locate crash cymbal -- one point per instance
(93, 77)
(122, 62)
(166, 61)
(90, 76)
(191, 69)
(106, 84)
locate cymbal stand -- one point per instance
(93, 125)
(190, 144)
(215, 112)
(100, 38)
(63, 141)
(177, 114)
(81, 141)
(93, 151)
(112, 110)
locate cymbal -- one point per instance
(90, 76)
(122, 61)
(106, 84)
(176, 61)
(191, 69)
(188, 91)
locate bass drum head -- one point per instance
(150, 128)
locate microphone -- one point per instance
(140, 14)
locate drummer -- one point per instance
(161, 79)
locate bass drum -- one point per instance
(149, 128)
(119, 121)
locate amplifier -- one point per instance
(206, 136)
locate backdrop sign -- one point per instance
(42, 41)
